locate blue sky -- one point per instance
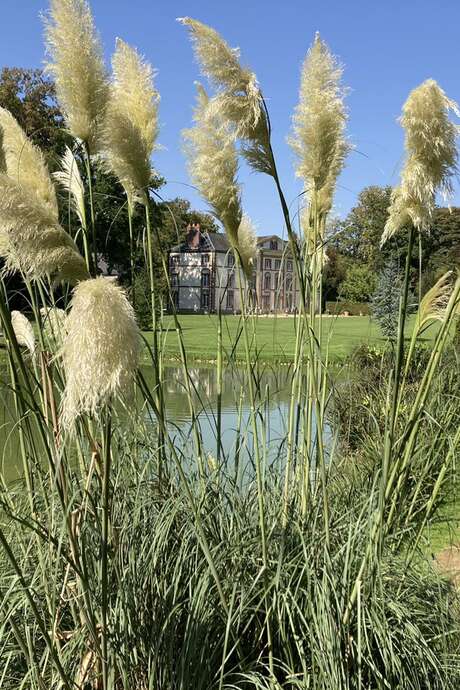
(387, 48)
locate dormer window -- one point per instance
(230, 260)
(274, 245)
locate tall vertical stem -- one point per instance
(257, 455)
(157, 368)
(91, 206)
(131, 253)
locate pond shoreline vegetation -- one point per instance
(132, 557)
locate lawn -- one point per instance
(275, 336)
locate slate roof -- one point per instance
(208, 242)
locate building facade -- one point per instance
(203, 278)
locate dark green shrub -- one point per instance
(353, 308)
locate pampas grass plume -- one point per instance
(213, 165)
(70, 179)
(238, 99)
(77, 66)
(431, 158)
(23, 331)
(247, 245)
(24, 163)
(100, 350)
(319, 121)
(238, 91)
(32, 241)
(131, 121)
(434, 303)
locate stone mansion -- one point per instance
(202, 275)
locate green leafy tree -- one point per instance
(358, 236)
(359, 284)
(31, 97)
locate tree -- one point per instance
(358, 236)
(31, 97)
(385, 301)
(334, 274)
(359, 284)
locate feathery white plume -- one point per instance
(70, 179)
(32, 241)
(213, 165)
(78, 68)
(23, 331)
(319, 122)
(131, 121)
(431, 158)
(238, 99)
(247, 245)
(100, 350)
(24, 162)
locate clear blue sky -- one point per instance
(387, 47)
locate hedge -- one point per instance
(353, 308)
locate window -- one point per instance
(205, 259)
(174, 260)
(266, 302)
(289, 284)
(231, 280)
(277, 264)
(205, 279)
(273, 244)
(230, 300)
(268, 264)
(267, 281)
(289, 265)
(174, 279)
(230, 260)
(205, 300)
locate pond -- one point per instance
(236, 429)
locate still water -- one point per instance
(236, 419)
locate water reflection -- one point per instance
(236, 437)
(273, 390)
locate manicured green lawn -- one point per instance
(274, 336)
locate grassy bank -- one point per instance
(274, 336)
